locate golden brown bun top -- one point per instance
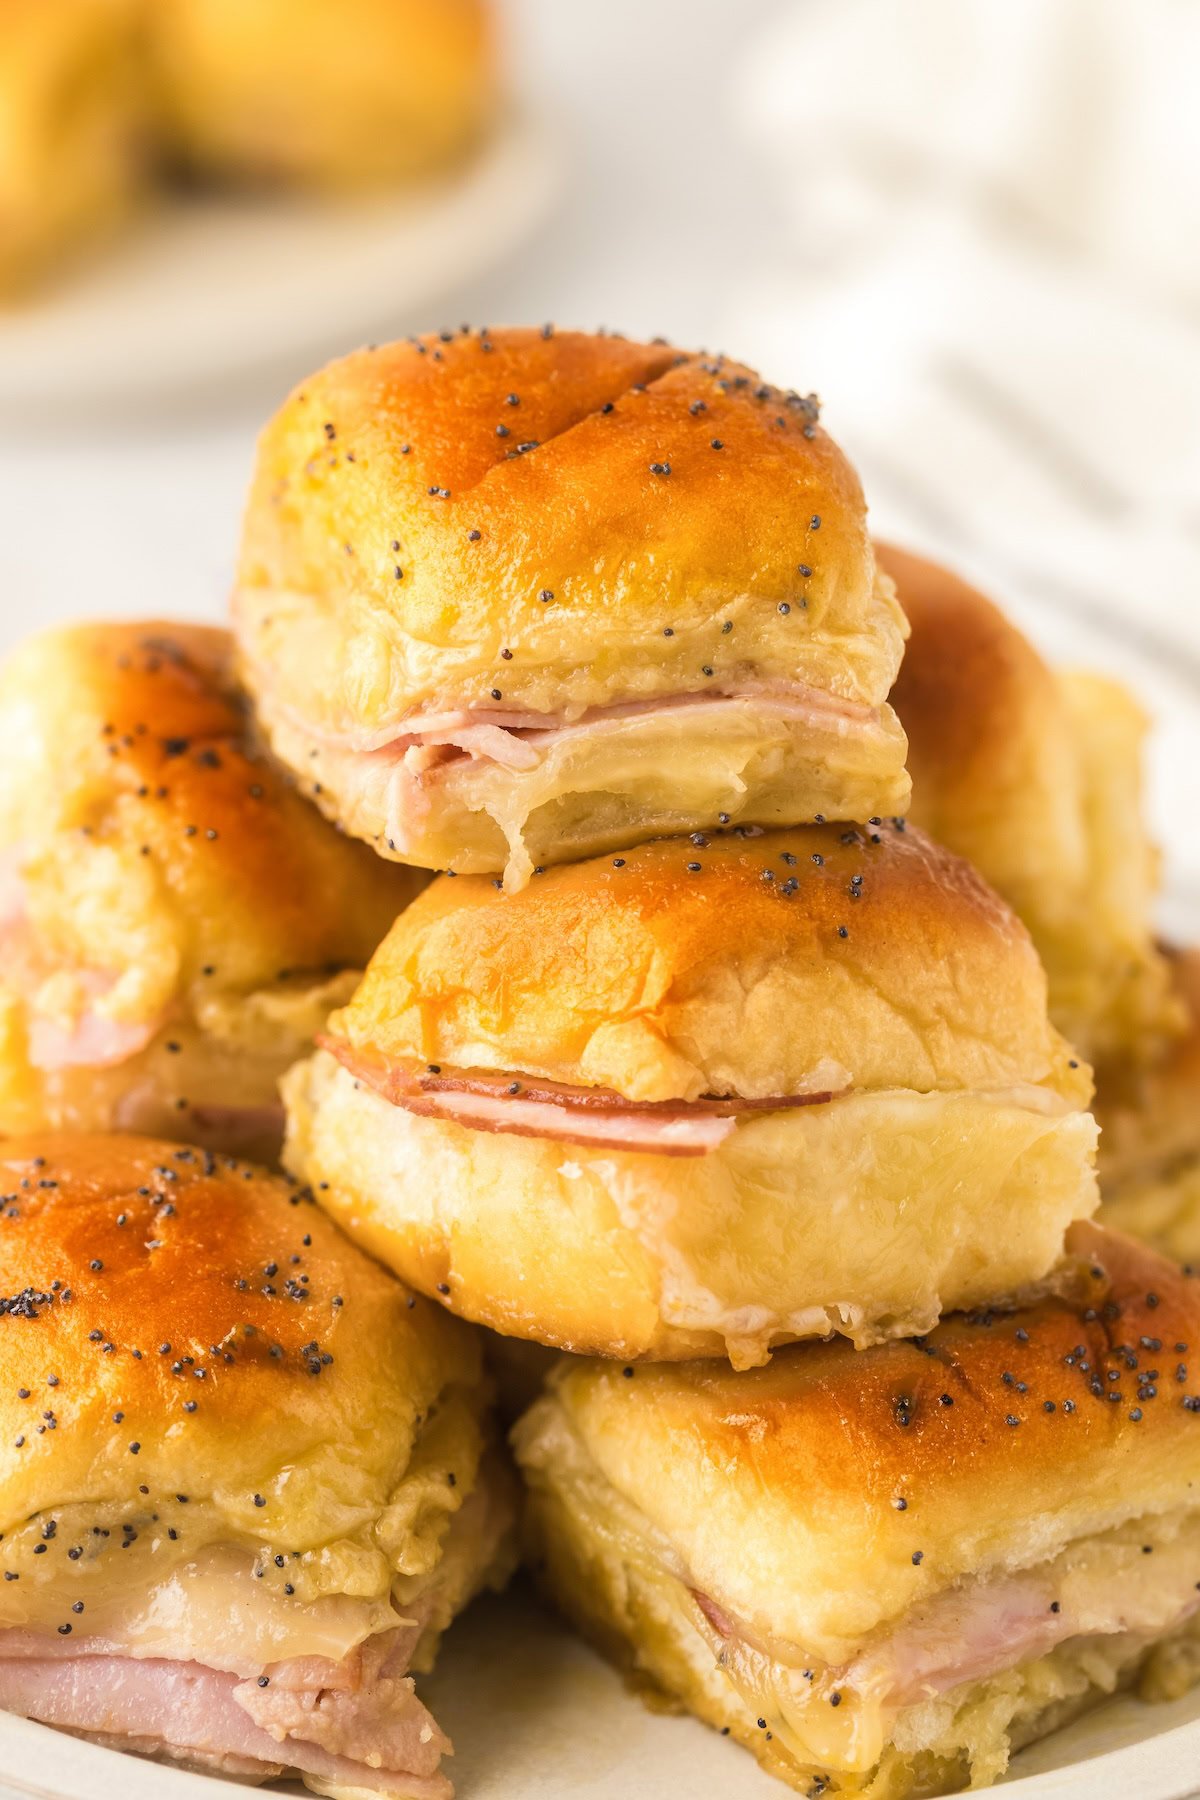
(140, 1279)
(753, 963)
(149, 829)
(989, 735)
(1005, 1435)
(1034, 775)
(555, 495)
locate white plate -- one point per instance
(536, 1716)
(207, 288)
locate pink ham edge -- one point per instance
(91, 1040)
(970, 1633)
(392, 769)
(180, 1708)
(485, 1101)
(547, 1119)
(456, 726)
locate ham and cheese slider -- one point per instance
(1149, 1117)
(704, 1097)
(247, 1477)
(176, 921)
(1036, 777)
(882, 1572)
(517, 597)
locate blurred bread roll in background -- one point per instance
(704, 1097)
(509, 598)
(323, 95)
(176, 921)
(74, 141)
(1036, 777)
(102, 102)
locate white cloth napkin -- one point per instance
(990, 264)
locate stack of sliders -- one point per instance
(680, 1049)
(697, 1049)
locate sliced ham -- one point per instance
(974, 1631)
(92, 1040)
(393, 779)
(980, 1628)
(486, 1100)
(460, 726)
(380, 1738)
(214, 1670)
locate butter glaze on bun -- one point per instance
(520, 597)
(883, 1571)
(1036, 777)
(704, 1097)
(176, 920)
(234, 1446)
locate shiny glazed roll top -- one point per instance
(175, 920)
(246, 1480)
(1035, 775)
(705, 1096)
(513, 598)
(882, 1572)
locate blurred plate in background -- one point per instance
(212, 287)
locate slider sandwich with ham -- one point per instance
(883, 1572)
(518, 597)
(176, 921)
(247, 1479)
(705, 1096)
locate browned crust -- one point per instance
(113, 1247)
(144, 742)
(940, 1421)
(588, 513)
(884, 952)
